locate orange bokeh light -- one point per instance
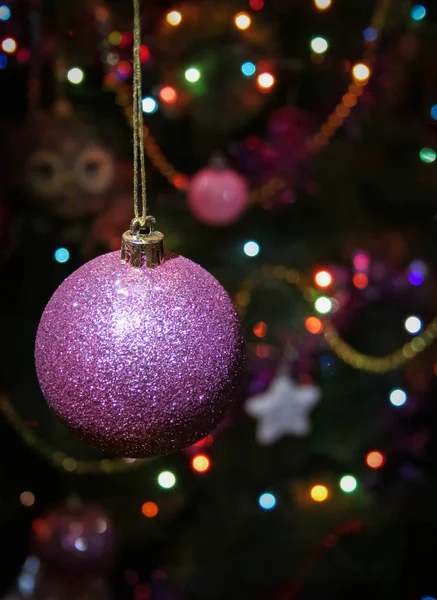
(375, 460)
(168, 94)
(260, 329)
(314, 325)
(323, 279)
(361, 281)
(201, 463)
(319, 493)
(360, 73)
(150, 509)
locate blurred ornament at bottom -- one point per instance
(73, 548)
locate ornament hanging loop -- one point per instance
(142, 245)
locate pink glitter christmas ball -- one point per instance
(218, 197)
(139, 362)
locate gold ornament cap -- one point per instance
(142, 245)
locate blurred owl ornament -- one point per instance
(68, 170)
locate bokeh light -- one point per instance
(256, 4)
(144, 53)
(427, 155)
(361, 261)
(242, 21)
(360, 281)
(267, 501)
(314, 325)
(9, 45)
(75, 75)
(322, 4)
(174, 18)
(319, 45)
(266, 81)
(418, 12)
(124, 69)
(323, 279)
(248, 68)
(348, 484)
(166, 480)
(370, 34)
(417, 272)
(413, 324)
(260, 329)
(375, 459)
(434, 112)
(201, 463)
(3, 61)
(62, 255)
(168, 94)
(192, 75)
(319, 493)
(27, 499)
(150, 105)
(115, 38)
(323, 305)
(5, 12)
(251, 249)
(150, 509)
(360, 72)
(398, 397)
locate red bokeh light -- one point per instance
(375, 460)
(361, 281)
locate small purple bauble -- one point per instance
(218, 197)
(140, 361)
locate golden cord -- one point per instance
(319, 140)
(344, 351)
(138, 124)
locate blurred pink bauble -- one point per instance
(140, 361)
(74, 538)
(218, 197)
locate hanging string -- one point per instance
(138, 124)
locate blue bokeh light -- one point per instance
(370, 34)
(3, 61)
(248, 69)
(251, 249)
(62, 255)
(398, 397)
(267, 501)
(434, 112)
(5, 12)
(428, 598)
(418, 12)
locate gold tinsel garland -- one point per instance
(344, 351)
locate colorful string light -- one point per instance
(342, 349)
(242, 21)
(319, 140)
(375, 460)
(174, 18)
(319, 493)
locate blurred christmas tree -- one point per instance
(292, 152)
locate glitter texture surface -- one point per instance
(139, 362)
